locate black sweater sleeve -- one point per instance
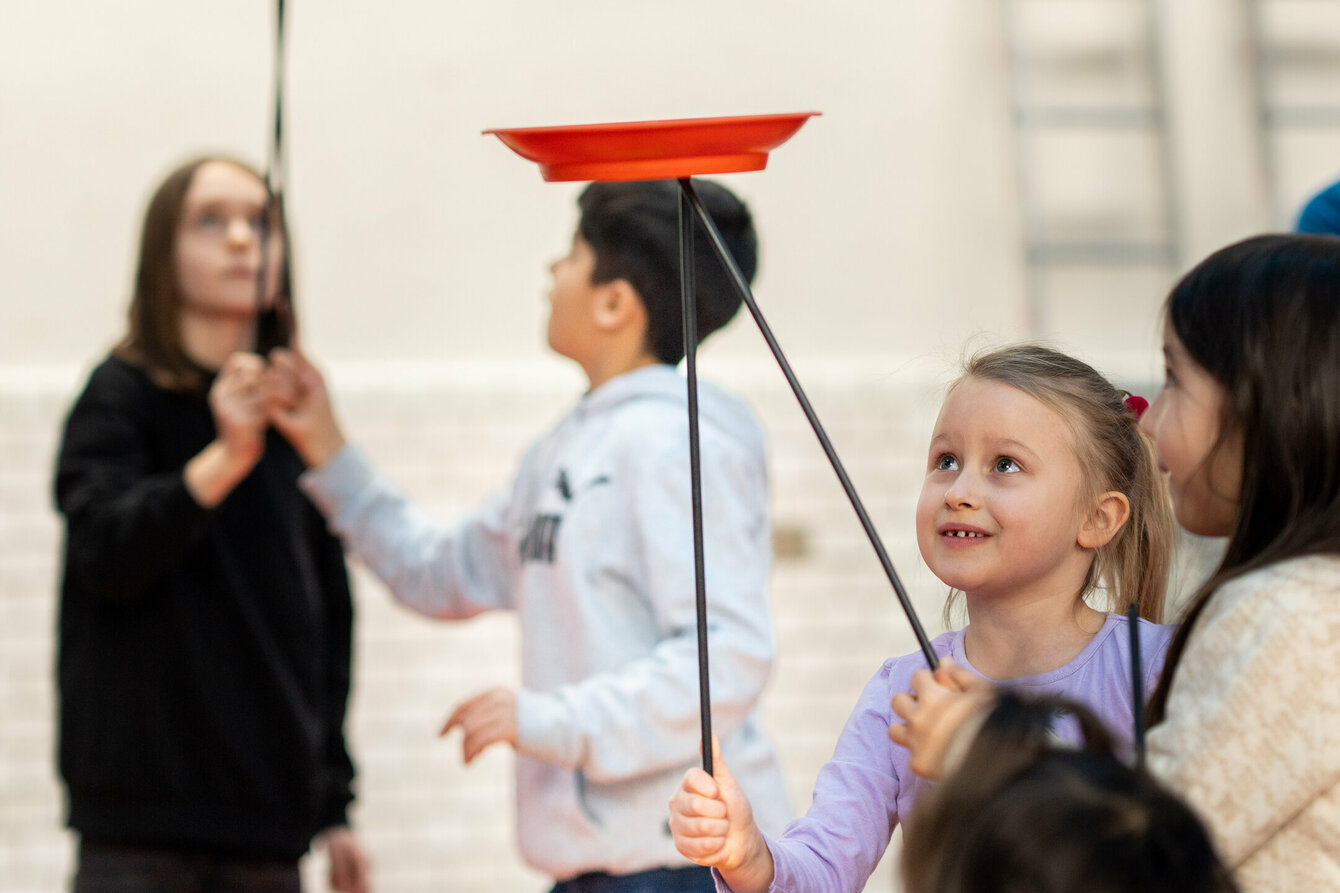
(334, 581)
(128, 512)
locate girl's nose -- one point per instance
(962, 491)
(240, 230)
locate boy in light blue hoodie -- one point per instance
(592, 545)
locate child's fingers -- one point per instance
(923, 680)
(944, 674)
(704, 849)
(310, 375)
(720, 770)
(696, 781)
(965, 680)
(698, 823)
(243, 367)
(478, 738)
(296, 364)
(284, 360)
(956, 678)
(486, 719)
(455, 719)
(282, 387)
(701, 806)
(904, 704)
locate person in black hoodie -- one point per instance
(205, 622)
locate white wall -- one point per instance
(890, 232)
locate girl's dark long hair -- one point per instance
(1262, 317)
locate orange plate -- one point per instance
(652, 150)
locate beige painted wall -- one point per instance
(890, 224)
(891, 237)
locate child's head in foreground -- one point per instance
(1022, 815)
(1038, 476)
(617, 290)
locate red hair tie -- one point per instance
(1135, 405)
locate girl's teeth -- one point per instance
(963, 533)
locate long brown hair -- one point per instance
(1262, 317)
(1114, 455)
(153, 336)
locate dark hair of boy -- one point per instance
(633, 228)
(1262, 317)
(1022, 815)
(153, 337)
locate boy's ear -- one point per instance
(618, 305)
(1110, 511)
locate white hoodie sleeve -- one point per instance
(444, 571)
(644, 716)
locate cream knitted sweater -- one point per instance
(1252, 735)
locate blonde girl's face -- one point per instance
(1000, 512)
(1185, 422)
(218, 242)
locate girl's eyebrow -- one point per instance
(1006, 444)
(213, 203)
(1018, 446)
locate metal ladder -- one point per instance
(1109, 239)
(1289, 40)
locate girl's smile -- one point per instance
(959, 535)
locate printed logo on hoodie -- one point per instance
(542, 533)
(538, 543)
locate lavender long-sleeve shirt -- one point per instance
(867, 787)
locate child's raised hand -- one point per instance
(299, 406)
(713, 825)
(941, 708)
(237, 402)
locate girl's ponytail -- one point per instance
(1137, 562)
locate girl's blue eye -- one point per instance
(1006, 465)
(946, 463)
(210, 221)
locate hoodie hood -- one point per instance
(727, 414)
